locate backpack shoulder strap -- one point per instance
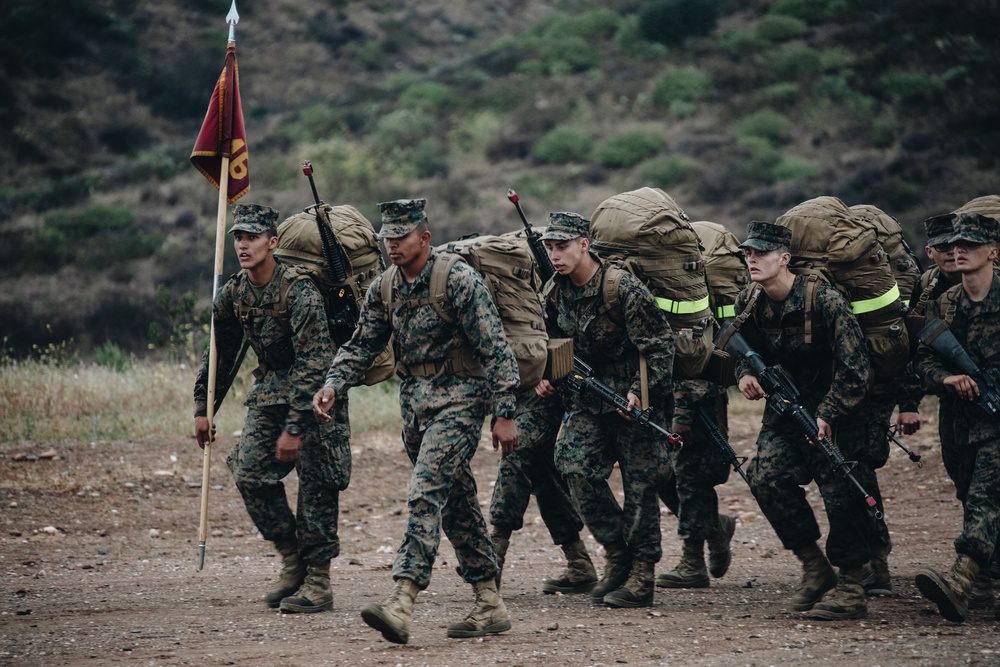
(438, 292)
(611, 292)
(727, 332)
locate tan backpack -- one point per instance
(301, 246)
(648, 234)
(725, 267)
(832, 242)
(507, 268)
(902, 260)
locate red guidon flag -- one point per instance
(223, 134)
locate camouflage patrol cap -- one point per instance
(940, 229)
(401, 217)
(975, 228)
(767, 236)
(254, 218)
(566, 226)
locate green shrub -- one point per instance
(666, 171)
(683, 84)
(475, 131)
(628, 148)
(762, 159)
(766, 124)
(796, 168)
(910, 85)
(559, 56)
(312, 123)
(403, 127)
(672, 22)
(426, 96)
(562, 145)
(109, 355)
(368, 55)
(777, 28)
(781, 93)
(634, 45)
(835, 60)
(739, 42)
(424, 160)
(885, 131)
(92, 220)
(793, 61)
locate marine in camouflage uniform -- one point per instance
(454, 376)
(688, 489)
(832, 376)
(531, 470)
(294, 352)
(972, 312)
(594, 435)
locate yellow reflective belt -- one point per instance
(725, 312)
(682, 307)
(868, 305)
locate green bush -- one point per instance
(426, 96)
(425, 160)
(368, 55)
(766, 124)
(796, 168)
(666, 171)
(763, 159)
(739, 42)
(628, 148)
(92, 220)
(109, 355)
(672, 22)
(781, 93)
(817, 11)
(312, 123)
(403, 127)
(475, 131)
(562, 145)
(681, 84)
(560, 56)
(588, 25)
(634, 45)
(885, 131)
(793, 61)
(777, 28)
(910, 85)
(835, 60)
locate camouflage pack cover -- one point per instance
(831, 241)
(648, 234)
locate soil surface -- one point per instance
(99, 548)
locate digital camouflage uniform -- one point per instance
(295, 357)
(442, 414)
(595, 436)
(832, 375)
(531, 470)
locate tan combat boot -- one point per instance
(617, 565)
(846, 601)
(981, 595)
(720, 554)
(293, 573)
(817, 577)
(950, 591)
(488, 617)
(501, 541)
(579, 575)
(637, 591)
(690, 572)
(393, 617)
(876, 579)
(313, 595)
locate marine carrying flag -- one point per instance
(223, 134)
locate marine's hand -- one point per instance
(201, 431)
(825, 431)
(908, 423)
(544, 388)
(288, 447)
(751, 389)
(322, 402)
(633, 403)
(964, 386)
(504, 436)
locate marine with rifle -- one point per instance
(610, 339)
(832, 375)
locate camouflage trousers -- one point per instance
(442, 424)
(784, 464)
(586, 451)
(976, 449)
(323, 468)
(696, 467)
(531, 470)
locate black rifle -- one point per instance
(708, 423)
(937, 336)
(582, 380)
(783, 398)
(914, 456)
(344, 318)
(542, 261)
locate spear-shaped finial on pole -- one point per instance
(232, 18)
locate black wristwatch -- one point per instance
(293, 429)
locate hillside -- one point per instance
(739, 109)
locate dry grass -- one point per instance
(47, 404)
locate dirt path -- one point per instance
(99, 545)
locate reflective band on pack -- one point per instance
(682, 307)
(725, 312)
(868, 305)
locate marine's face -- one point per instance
(403, 250)
(765, 265)
(971, 257)
(941, 255)
(566, 255)
(252, 250)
